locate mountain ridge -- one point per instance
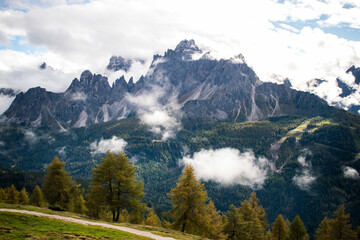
(187, 78)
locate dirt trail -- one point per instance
(85, 222)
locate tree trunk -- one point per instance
(117, 215)
(114, 217)
(184, 223)
(183, 227)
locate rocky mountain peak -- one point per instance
(187, 45)
(120, 83)
(8, 92)
(90, 83)
(355, 72)
(117, 63)
(86, 77)
(185, 50)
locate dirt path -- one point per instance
(297, 132)
(84, 222)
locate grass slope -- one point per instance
(19, 226)
(15, 226)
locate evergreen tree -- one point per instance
(12, 195)
(80, 206)
(323, 232)
(57, 184)
(297, 229)
(152, 219)
(37, 197)
(232, 223)
(340, 226)
(259, 210)
(252, 225)
(279, 229)
(96, 203)
(76, 200)
(114, 188)
(189, 203)
(23, 197)
(215, 222)
(3, 195)
(246, 222)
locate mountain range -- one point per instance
(299, 154)
(188, 81)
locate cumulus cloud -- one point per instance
(350, 172)
(30, 137)
(78, 96)
(155, 112)
(62, 152)
(305, 177)
(161, 123)
(229, 166)
(137, 69)
(300, 42)
(114, 145)
(5, 102)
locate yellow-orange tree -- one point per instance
(191, 210)
(114, 187)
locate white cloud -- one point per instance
(160, 117)
(78, 96)
(62, 152)
(305, 178)
(141, 28)
(114, 145)
(30, 137)
(5, 102)
(3, 38)
(229, 166)
(350, 172)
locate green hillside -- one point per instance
(329, 143)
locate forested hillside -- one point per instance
(328, 145)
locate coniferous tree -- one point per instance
(215, 222)
(37, 197)
(252, 225)
(323, 232)
(279, 229)
(259, 210)
(232, 225)
(114, 188)
(60, 190)
(57, 184)
(189, 202)
(152, 219)
(23, 196)
(80, 206)
(340, 227)
(246, 222)
(76, 200)
(297, 230)
(12, 195)
(190, 209)
(3, 195)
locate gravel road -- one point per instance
(84, 222)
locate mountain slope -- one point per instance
(184, 79)
(210, 106)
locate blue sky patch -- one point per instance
(20, 44)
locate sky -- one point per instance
(296, 39)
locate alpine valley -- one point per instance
(306, 152)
